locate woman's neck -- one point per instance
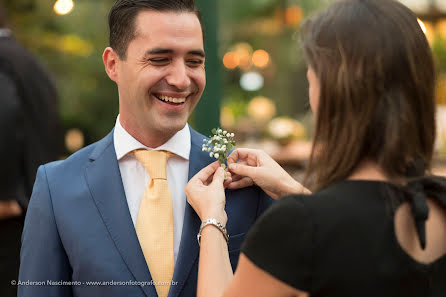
(369, 170)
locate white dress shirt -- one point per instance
(135, 177)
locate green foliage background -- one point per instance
(72, 46)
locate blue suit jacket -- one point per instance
(78, 229)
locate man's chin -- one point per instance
(172, 127)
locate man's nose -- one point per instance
(178, 76)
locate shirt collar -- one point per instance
(179, 144)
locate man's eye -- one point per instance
(195, 62)
(159, 60)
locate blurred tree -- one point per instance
(206, 115)
(271, 25)
(72, 45)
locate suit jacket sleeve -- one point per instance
(43, 257)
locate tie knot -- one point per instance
(154, 161)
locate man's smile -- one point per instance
(171, 98)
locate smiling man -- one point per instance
(104, 222)
(160, 76)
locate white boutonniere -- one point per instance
(219, 145)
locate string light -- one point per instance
(231, 60)
(260, 58)
(63, 7)
(293, 15)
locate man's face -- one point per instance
(162, 78)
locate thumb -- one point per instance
(219, 177)
(243, 170)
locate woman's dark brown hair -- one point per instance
(377, 86)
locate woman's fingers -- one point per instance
(236, 177)
(219, 177)
(204, 176)
(243, 154)
(227, 182)
(233, 157)
(244, 170)
(228, 179)
(242, 183)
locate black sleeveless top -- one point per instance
(341, 241)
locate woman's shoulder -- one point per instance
(302, 206)
(288, 210)
(349, 192)
(339, 204)
(280, 242)
(286, 216)
(295, 202)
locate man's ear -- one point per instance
(111, 60)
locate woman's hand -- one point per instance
(206, 193)
(249, 166)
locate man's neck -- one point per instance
(152, 139)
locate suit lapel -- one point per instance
(189, 248)
(105, 183)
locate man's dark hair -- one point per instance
(122, 17)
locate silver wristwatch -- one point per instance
(216, 224)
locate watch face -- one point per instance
(216, 224)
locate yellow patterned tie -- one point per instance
(154, 225)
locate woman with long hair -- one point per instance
(376, 223)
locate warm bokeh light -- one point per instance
(270, 26)
(227, 118)
(245, 62)
(74, 140)
(75, 45)
(63, 7)
(260, 58)
(422, 25)
(231, 60)
(285, 128)
(293, 15)
(441, 90)
(243, 51)
(261, 108)
(440, 144)
(428, 30)
(441, 28)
